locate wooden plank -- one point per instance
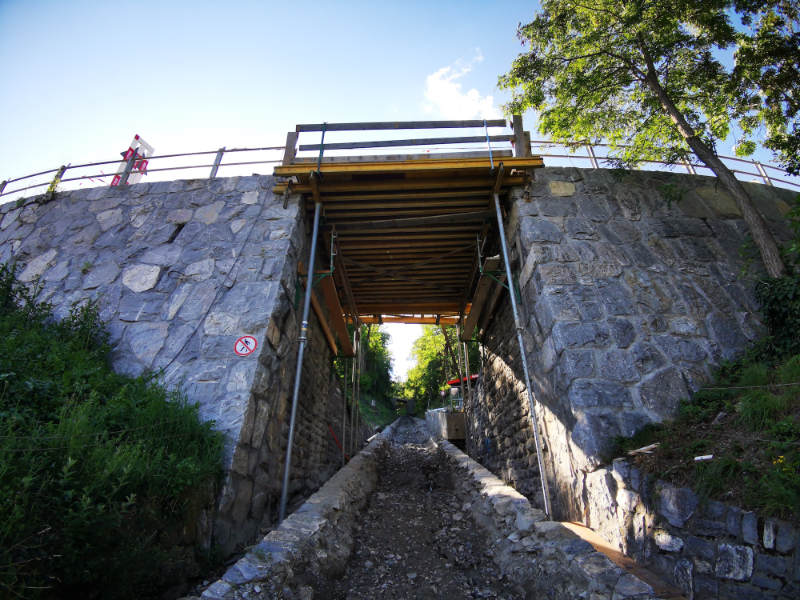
(323, 323)
(362, 158)
(485, 284)
(491, 305)
(405, 166)
(337, 315)
(446, 219)
(384, 125)
(382, 245)
(335, 311)
(411, 319)
(401, 306)
(473, 139)
(401, 185)
(447, 195)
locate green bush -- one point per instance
(100, 474)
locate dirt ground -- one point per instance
(415, 539)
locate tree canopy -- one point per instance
(646, 77)
(435, 363)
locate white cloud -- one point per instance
(444, 94)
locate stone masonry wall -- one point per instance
(632, 291)
(706, 549)
(499, 434)
(180, 270)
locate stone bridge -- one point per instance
(632, 289)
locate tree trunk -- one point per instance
(762, 236)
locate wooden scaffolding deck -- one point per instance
(405, 229)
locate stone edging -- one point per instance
(543, 557)
(316, 538)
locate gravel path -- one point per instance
(415, 539)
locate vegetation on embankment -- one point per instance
(748, 423)
(102, 476)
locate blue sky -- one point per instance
(80, 78)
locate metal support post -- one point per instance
(763, 172)
(299, 369)
(217, 161)
(344, 415)
(3, 186)
(592, 156)
(128, 168)
(524, 358)
(353, 399)
(466, 368)
(462, 375)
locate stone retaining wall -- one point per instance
(707, 549)
(180, 271)
(632, 290)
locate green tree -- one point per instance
(644, 76)
(435, 364)
(767, 77)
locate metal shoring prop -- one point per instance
(300, 351)
(462, 365)
(466, 368)
(356, 346)
(523, 357)
(344, 414)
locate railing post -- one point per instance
(763, 172)
(592, 156)
(128, 168)
(51, 190)
(217, 162)
(522, 143)
(3, 186)
(291, 148)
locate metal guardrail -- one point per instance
(569, 154)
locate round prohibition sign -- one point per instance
(245, 345)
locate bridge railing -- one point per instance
(239, 161)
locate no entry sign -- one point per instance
(245, 345)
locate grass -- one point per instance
(100, 474)
(749, 420)
(381, 415)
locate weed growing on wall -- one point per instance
(102, 476)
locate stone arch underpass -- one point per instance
(625, 302)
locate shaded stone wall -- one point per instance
(499, 433)
(631, 292)
(633, 289)
(180, 270)
(707, 549)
